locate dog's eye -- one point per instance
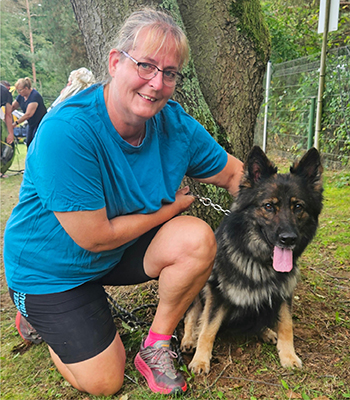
(269, 207)
(298, 207)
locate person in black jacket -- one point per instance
(6, 101)
(8, 146)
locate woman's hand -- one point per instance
(10, 138)
(183, 199)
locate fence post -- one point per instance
(311, 122)
(268, 81)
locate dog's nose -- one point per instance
(287, 238)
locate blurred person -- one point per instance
(32, 104)
(6, 147)
(6, 101)
(108, 212)
(78, 80)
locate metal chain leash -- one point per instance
(129, 317)
(135, 323)
(207, 202)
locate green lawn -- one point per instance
(241, 369)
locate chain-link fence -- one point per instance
(287, 117)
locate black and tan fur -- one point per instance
(244, 291)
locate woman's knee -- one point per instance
(103, 383)
(182, 240)
(102, 375)
(107, 376)
(200, 239)
(104, 388)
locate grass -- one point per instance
(241, 369)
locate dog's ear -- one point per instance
(309, 168)
(257, 167)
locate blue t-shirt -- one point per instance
(78, 161)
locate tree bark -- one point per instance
(229, 67)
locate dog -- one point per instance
(251, 286)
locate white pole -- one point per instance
(268, 81)
(318, 124)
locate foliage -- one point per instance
(295, 57)
(336, 115)
(293, 86)
(293, 28)
(58, 44)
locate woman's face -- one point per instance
(23, 91)
(132, 98)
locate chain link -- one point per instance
(207, 202)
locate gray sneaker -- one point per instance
(156, 364)
(27, 332)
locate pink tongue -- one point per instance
(282, 259)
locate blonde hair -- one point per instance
(24, 82)
(162, 32)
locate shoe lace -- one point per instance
(34, 334)
(29, 331)
(160, 359)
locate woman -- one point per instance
(108, 212)
(32, 104)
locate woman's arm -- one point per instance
(8, 121)
(29, 112)
(229, 178)
(15, 105)
(93, 231)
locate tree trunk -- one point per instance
(230, 48)
(31, 43)
(223, 86)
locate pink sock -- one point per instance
(154, 337)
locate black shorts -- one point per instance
(77, 324)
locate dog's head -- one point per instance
(284, 208)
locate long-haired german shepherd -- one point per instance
(251, 287)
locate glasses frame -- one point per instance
(138, 63)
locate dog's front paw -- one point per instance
(290, 360)
(199, 365)
(188, 343)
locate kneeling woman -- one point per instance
(100, 205)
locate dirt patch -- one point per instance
(240, 364)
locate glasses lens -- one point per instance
(147, 71)
(169, 78)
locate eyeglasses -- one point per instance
(149, 71)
